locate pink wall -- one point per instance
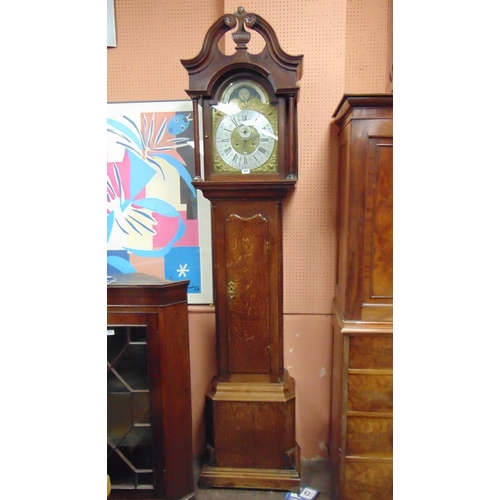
(344, 44)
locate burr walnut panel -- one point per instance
(370, 351)
(369, 392)
(378, 236)
(368, 480)
(369, 436)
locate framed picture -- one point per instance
(157, 222)
(111, 24)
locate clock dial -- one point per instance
(245, 127)
(245, 140)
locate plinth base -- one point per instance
(251, 435)
(264, 479)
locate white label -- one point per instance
(308, 493)
(111, 332)
(245, 170)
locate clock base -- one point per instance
(251, 435)
(264, 479)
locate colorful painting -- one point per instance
(157, 222)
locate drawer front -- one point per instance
(366, 351)
(369, 392)
(367, 480)
(369, 436)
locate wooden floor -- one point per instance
(314, 473)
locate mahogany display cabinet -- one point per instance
(149, 432)
(360, 444)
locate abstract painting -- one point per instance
(157, 222)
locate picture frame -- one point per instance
(157, 222)
(111, 26)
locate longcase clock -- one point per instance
(249, 123)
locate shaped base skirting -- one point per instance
(251, 435)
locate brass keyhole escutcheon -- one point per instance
(231, 289)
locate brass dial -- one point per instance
(245, 140)
(245, 129)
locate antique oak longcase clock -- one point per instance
(249, 123)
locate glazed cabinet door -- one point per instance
(134, 459)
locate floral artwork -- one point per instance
(157, 223)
